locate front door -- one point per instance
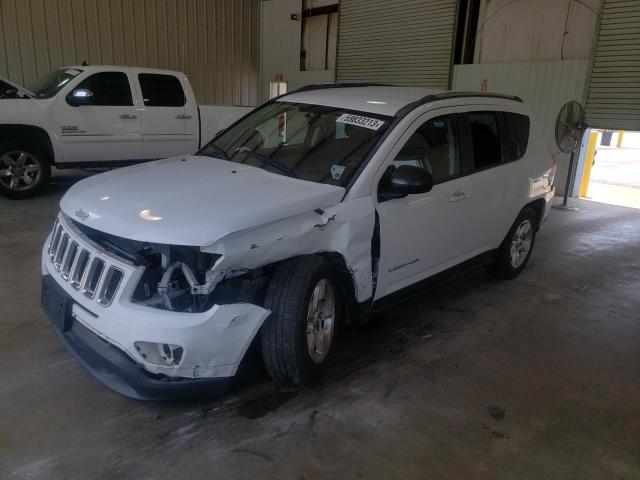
(106, 129)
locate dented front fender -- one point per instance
(346, 228)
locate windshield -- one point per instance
(311, 142)
(52, 83)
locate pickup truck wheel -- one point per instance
(24, 170)
(306, 304)
(515, 250)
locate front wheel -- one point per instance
(515, 250)
(24, 170)
(306, 308)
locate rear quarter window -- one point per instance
(518, 127)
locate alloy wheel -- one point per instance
(521, 243)
(19, 170)
(321, 320)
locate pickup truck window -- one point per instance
(109, 89)
(6, 90)
(311, 142)
(52, 83)
(161, 90)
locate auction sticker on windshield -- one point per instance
(360, 121)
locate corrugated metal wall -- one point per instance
(212, 41)
(544, 86)
(613, 99)
(405, 42)
(280, 39)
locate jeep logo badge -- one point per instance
(82, 215)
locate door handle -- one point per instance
(183, 117)
(127, 116)
(459, 195)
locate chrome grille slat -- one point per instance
(80, 268)
(69, 260)
(61, 251)
(93, 277)
(109, 286)
(53, 234)
(55, 242)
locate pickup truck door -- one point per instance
(424, 234)
(106, 129)
(169, 118)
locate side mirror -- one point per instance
(11, 93)
(80, 96)
(403, 181)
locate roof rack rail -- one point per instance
(322, 86)
(447, 95)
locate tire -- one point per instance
(287, 344)
(508, 263)
(19, 162)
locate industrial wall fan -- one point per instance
(570, 127)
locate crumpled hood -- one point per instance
(190, 200)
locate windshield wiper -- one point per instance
(219, 150)
(263, 158)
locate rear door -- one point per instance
(107, 129)
(484, 194)
(168, 125)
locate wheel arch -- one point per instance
(347, 284)
(538, 207)
(346, 280)
(10, 132)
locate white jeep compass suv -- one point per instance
(310, 212)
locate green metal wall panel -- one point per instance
(215, 42)
(613, 98)
(404, 42)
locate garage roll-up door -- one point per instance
(613, 99)
(404, 42)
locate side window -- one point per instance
(518, 126)
(434, 146)
(109, 89)
(485, 139)
(161, 90)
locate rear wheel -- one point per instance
(515, 250)
(24, 170)
(306, 305)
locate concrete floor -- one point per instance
(535, 378)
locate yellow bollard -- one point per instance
(588, 163)
(620, 134)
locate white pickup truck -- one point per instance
(99, 116)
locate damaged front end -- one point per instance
(181, 278)
(164, 327)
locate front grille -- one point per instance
(89, 273)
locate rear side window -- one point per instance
(485, 139)
(517, 126)
(161, 90)
(109, 89)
